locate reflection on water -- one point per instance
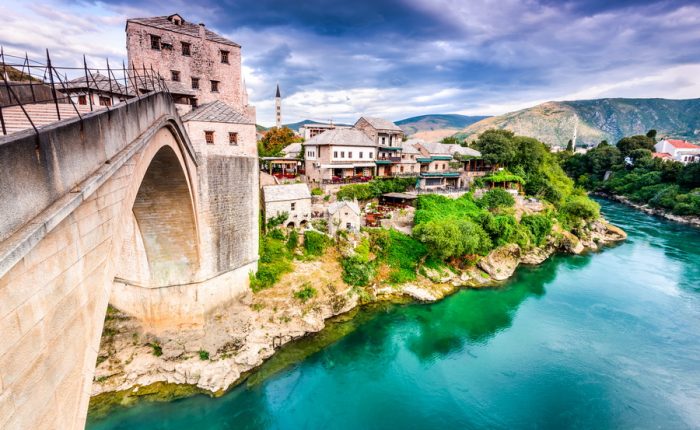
(605, 340)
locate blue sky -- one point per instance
(338, 60)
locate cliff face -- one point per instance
(591, 121)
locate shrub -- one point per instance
(277, 220)
(157, 349)
(274, 261)
(358, 270)
(320, 225)
(539, 227)
(581, 207)
(306, 293)
(453, 238)
(316, 192)
(497, 198)
(293, 240)
(403, 255)
(203, 355)
(374, 188)
(379, 241)
(315, 243)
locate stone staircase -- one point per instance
(41, 114)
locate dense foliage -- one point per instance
(497, 198)
(374, 188)
(358, 269)
(274, 140)
(315, 243)
(529, 162)
(659, 183)
(275, 260)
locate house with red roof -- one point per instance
(677, 150)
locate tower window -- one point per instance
(209, 137)
(224, 57)
(195, 83)
(175, 75)
(155, 42)
(232, 138)
(82, 100)
(186, 49)
(293, 205)
(214, 86)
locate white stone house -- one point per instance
(339, 153)
(293, 199)
(677, 150)
(96, 89)
(344, 215)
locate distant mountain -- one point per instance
(591, 121)
(436, 122)
(296, 125)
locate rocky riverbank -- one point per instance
(684, 219)
(238, 337)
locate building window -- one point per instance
(82, 100)
(175, 76)
(348, 226)
(214, 86)
(350, 154)
(186, 49)
(383, 140)
(195, 83)
(294, 205)
(335, 154)
(232, 138)
(411, 168)
(105, 101)
(401, 169)
(361, 154)
(193, 102)
(224, 57)
(342, 154)
(155, 42)
(209, 137)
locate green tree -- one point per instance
(451, 140)
(629, 144)
(497, 146)
(651, 134)
(570, 146)
(274, 140)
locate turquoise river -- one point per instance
(599, 341)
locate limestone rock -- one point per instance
(501, 262)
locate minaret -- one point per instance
(278, 106)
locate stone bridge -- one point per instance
(117, 207)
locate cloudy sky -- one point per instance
(399, 58)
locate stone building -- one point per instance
(341, 154)
(198, 65)
(293, 199)
(96, 90)
(388, 137)
(344, 215)
(307, 131)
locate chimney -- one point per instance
(202, 33)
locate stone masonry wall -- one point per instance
(203, 63)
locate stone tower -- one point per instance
(278, 107)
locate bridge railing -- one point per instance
(26, 84)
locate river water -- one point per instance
(600, 341)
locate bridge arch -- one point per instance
(157, 232)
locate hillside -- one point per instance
(435, 122)
(594, 120)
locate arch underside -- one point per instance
(159, 244)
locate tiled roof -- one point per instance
(187, 28)
(292, 148)
(436, 148)
(681, 144)
(408, 147)
(381, 123)
(336, 206)
(661, 155)
(282, 193)
(341, 136)
(216, 111)
(179, 88)
(98, 82)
